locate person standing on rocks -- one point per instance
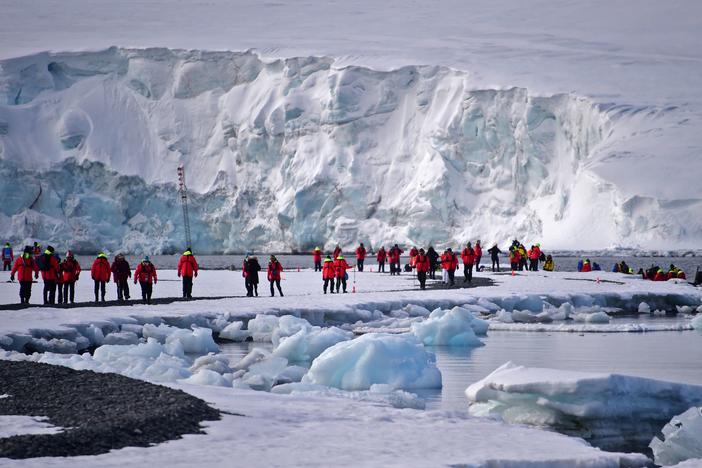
(274, 274)
(70, 270)
(100, 273)
(360, 256)
(7, 257)
(187, 268)
(145, 274)
(49, 267)
(423, 265)
(317, 257)
(24, 267)
(381, 256)
(252, 268)
(121, 272)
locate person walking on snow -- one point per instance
(274, 271)
(59, 280)
(433, 257)
(394, 258)
(187, 268)
(413, 256)
(121, 272)
(7, 257)
(49, 267)
(70, 270)
(100, 273)
(515, 258)
(23, 268)
(468, 258)
(534, 255)
(422, 268)
(381, 256)
(317, 257)
(328, 274)
(251, 269)
(360, 256)
(478, 250)
(145, 274)
(495, 252)
(449, 263)
(340, 267)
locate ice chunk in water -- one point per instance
(308, 343)
(208, 377)
(682, 439)
(234, 332)
(376, 358)
(197, 341)
(453, 327)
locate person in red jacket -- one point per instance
(340, 267)
(422, 268)
(100, 273)
(121, 272)
(317, 257)
(587, 267)
(360, 256)
(274, 271)
(7, 257)
(49, 267)
(24, 266)
(478, 250)
(328, 274)
(534, 254)
(145, 274)
(381, 256)
(515, 257)
(413, 256)
(187, 268)
(468, 258)
(394, 259)
(449, 263)
(70, 270)
(337, 251)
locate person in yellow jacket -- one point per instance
(549, 265)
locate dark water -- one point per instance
(563, 263)
(673, 356)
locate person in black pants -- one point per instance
(495, 252)
(252, 269)
(433, 257)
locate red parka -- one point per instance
(274, 271)
(100, 270)
(145, 273)
(340, 267)
(468, 256)
(24, 267)
(328, 270)
(50, 267)
(449, 261)
(587, 267)
(382, 255)
(361, 253)
(70, 269)
(478, 251)
(317, 255)
(422, 263)
(187, 265)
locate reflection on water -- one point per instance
(674, 356)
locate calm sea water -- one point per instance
(674, 356)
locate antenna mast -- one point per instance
(183, 189)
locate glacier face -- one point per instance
(291, 153)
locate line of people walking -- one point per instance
(60, 276)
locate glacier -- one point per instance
(287, 154)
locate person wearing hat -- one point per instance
(251, 269)
(328, 274)
(70, 271)
(7, 257)
(274, 271)
(360, 256)
(317, 257)
(100, 273)
(49, 267)
(340, 267)
(380, 257)
(187, 268)
(145, 274)
(121, 272)
(23, 268)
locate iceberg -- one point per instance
(611, 411)
(455, 327)
(399, 361)
(682, 439)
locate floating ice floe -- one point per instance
(682, 439)
(455, 327)
(611, 411)
(697, 322)
(399, 361)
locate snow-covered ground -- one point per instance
(343, 391)
(488, 120)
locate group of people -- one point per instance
(250, 269)
(60, 276)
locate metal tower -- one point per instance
(183, 189)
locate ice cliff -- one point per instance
(292, 153)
